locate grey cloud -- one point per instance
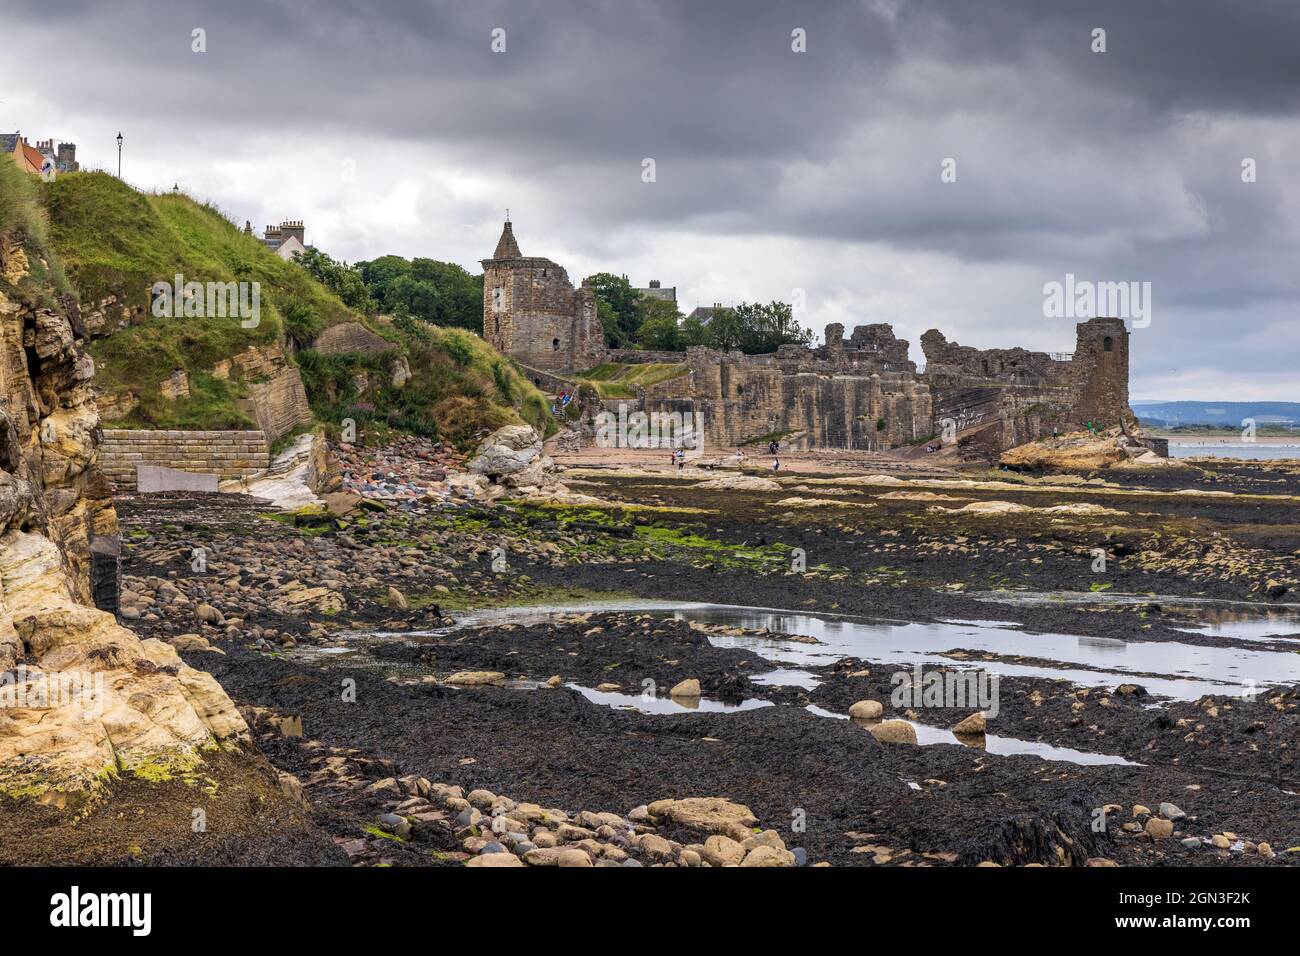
(1123, 165)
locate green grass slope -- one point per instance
(460, 386)
(23, 224)
(618, 380)
(117, 242)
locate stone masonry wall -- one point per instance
(859, 392)
(1100, 371)
(226, 454)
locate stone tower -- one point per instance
(1100, 371)
(531, 311)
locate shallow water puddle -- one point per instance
(1273, 626)
(995, 744)
(1192, 671)
(1243, 620)
(925, 735)
(665, 705)
(1189, 671)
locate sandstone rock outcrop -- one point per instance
(81, 697)
(511, 462)
(1084, 451)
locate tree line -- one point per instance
(632, 320)
(445, 294)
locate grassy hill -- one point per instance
(115, 243)
(23, 223)
(618, 380)
(460, 385)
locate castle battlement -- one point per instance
(861, 391)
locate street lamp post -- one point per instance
(119, 155)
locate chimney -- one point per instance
(294, 228)
(654, 283)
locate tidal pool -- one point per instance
(1186, 671)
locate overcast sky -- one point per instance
(395, 128)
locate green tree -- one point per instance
(755, 328)
(343, 280)
(726, 330)
(659, 325)
(694, 332)
(438, 292)
(623, 318)
(614, 337)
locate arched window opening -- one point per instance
(1108, 344)
(555, 345)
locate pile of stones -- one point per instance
(496, 831)
(408, 469)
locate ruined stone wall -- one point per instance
(226, 454)
(642, 356)
(879, 341)
(1099, 371)
(1028, 394)
(681, 387)
(1014, 366)
(744, 397)
(859, 392)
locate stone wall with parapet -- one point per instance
(226, 454)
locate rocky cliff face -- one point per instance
(81, 698)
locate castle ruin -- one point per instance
(532, 312)
(858, 392)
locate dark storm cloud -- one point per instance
(1122, 165)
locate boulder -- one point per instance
(210, 615)
(893, 732)
(507, 451)
(687, 688)
(475, 678)
(739, 483)
(110, 703)
(495, 859)
(710, 814)
(723, 851)
(972, 726)
(866, 710)
(1159, 829)
(764, 855)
